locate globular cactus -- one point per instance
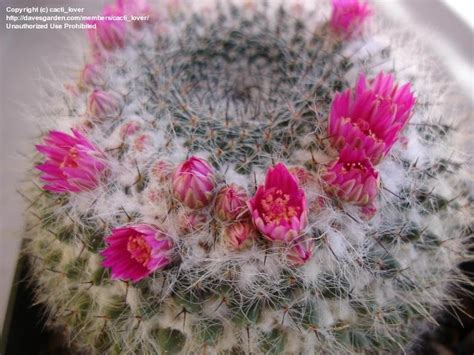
(244, 178)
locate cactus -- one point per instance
(241, 90)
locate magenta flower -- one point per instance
(72, 163)
(371, 118)
(134, 252)
(300, 251)
(239, 235)
(279, 208)
(352, 178)
(231, 203)
(348, 16)
(111, 33)
(384, 87)
(102, 104)
(193, 183)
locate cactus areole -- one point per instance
(247, 178)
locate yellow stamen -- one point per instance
(139, 249)
(276, 208)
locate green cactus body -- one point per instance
(245, 87)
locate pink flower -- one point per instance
(239, 235)
(279, 207)
(348, 16)
(111, 33)
(300, 251)
(193, 183)
(102, 104)
(72, 163)
(352, 178)
(371, 118)
(231, 203)
(134, 252)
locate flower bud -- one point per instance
(231, 203)
(193, 183)
(348, 16)
(90, 75)
(135, 8)
(300, 251)
(190, 222)
(239, 235)
(108, 34)
(102, 104)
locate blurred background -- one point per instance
(26, 56)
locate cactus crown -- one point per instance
(245, 87)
